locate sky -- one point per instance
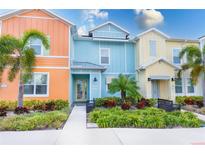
(181, 23)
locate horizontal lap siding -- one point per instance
(58, 32)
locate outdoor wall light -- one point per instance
(173, 79)
(149, 79)
(95, 79)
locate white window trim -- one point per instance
(173, 57)
(150, 48)
(38, 95)
(108, 56)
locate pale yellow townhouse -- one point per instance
(157, 65)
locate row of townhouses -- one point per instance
(80, 68)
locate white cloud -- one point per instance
(89, 17)
(147, 18)
(82, 30)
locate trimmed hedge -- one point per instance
(53, 119)
(35, 104)
(99, 102)
(190, 100)
(145, 118)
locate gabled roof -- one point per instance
(144, 66)
(16, 12)
(86, 65)
(152, 30)
(109, 22)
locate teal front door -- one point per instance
(81, 92)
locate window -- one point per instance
(178, 85)
(36, 45)
(153, 50)
(108, 82)
(176, 58)
(190, 86)
(105, 56)
(38, 85)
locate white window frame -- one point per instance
(39, 95)
(150, 48)
(108, 49)
(187, 84)
(181, 86)
(112, 77)
(173, 56)
(41, 54)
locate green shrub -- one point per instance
(144, 118)
(33, 121)
(152, 102)
(35, 104)
(99, 102)
(189, 100)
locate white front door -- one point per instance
(155, 89)
(81, 90)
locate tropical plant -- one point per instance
(125, 85)
(19, 58)
(195, 62)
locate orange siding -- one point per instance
(58, 32)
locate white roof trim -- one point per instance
(156, 60)
(15, 12)
(109, 22)
(153, 29)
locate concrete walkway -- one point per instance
(75, 132)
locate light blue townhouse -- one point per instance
(97, 58)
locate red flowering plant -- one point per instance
(110, 103)
(142, 103)
(126, 106)
(21, 110)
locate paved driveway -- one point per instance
(75, 132)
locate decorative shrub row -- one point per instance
(145, 118)
(48, 105)
(53, 119)
(190, 100)
(114, 101)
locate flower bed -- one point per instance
(33, 121)
(190, 100)
(144, 118)
(36, 104)
(193, 108)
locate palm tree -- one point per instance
(125, 85)
(19, 58)
(195, 63)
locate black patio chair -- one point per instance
(168, 105)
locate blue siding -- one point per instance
(109, 31)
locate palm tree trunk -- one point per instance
(123, 95)
(21, 91)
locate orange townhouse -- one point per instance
(51, 72)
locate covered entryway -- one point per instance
(85, 81)
(156, 79)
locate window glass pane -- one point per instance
(176, 58)
(178, 86)
(37, 49)
(41, 89)
(104, 60)
(35, 41)
(104, 56)
(190, 86)
(29, 89)
(153, 51)
(41, 79)
(30, 81)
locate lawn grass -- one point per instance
(143, 118)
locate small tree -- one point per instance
(195, 63)
(19, 58)
(125, 85)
